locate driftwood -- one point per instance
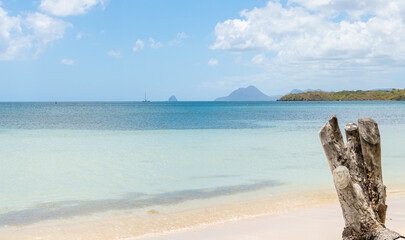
(357, 175)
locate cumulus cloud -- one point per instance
(154, 44)
(139, 45)
(64, 8)
(179, 37)
(12, 41)
(46, 29)
(26, 36)
(115, 53)
(322, 34)
(213, 62)
(67, 61)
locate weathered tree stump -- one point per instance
(357, 175)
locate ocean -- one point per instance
(84, 159)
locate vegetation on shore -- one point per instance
(381, 95)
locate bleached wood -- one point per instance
(371, 150)
(357, 175)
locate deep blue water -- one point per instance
(187, 115)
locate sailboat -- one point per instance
(146, 100)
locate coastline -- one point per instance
(317, 223)
(200, 223)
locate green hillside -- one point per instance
(383, 95)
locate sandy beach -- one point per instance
(318, 223)
(307, 219)
(202, 120)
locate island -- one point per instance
(250, 93)
(172, 99)
(377, 95)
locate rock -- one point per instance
(172, 99)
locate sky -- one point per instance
(116, 50)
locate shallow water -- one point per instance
(76, 159)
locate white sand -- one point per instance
(319, 223)
(307, 221)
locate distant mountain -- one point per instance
(382, 89)
(172, 99)
(250, 93)
(294, 91)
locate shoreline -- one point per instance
(317, 223)
(127, 226)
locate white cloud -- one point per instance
(322, 34)
(64, 8)
(79, 35)
(46, 29)
(26, 36)
(139, 45)
(154, 44)
(179, 37)
(259, 59)
(12, 41)
(115, 53)
(182, 35)
(67, 61)
(213, 62)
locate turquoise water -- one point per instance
(74, 159)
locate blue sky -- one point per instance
(89, 50)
